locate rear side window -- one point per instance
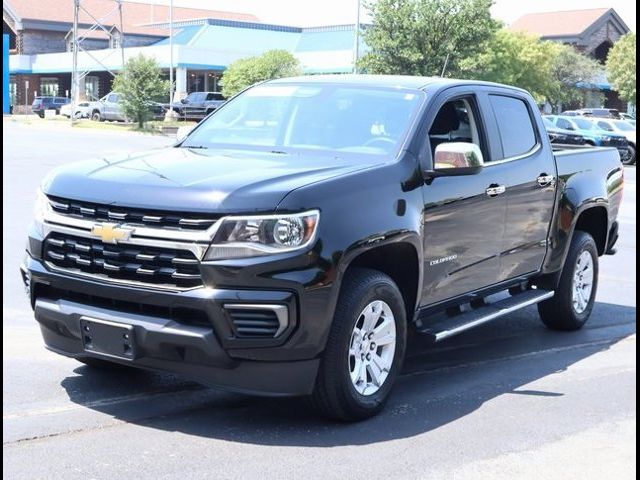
(605, 126)
(517, 132)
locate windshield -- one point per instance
(583, 124)
(548, 123)
(624, 126)
(307, 116)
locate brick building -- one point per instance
(591, 31)
(37, 28)
(205, 42)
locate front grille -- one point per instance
(154, 266)
(258, 323)
(131, 216)
(617, 142)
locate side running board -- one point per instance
(459, 323)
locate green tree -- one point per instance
(569, 70)
(621, 67)
(418, 37)
(139, 83)
(516, 59)
(245, 72)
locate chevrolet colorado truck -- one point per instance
(290, 243)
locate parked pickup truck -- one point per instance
(110, 108)
(197, 105)
(290, 243)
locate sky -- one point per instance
(305, 13)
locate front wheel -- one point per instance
(571, 306)
(96, 116)
(365, 349)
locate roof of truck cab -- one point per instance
(389, 81)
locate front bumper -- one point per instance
(203, 350)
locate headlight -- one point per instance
(252, 236)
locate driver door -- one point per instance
(463, 216)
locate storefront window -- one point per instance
(49, 86)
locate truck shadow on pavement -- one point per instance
(440, 384)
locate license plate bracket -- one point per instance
(108, 338)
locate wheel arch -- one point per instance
(401, 260)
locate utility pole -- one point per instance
(77, 39)
(75, 82)
(170, 53)
(356, 43)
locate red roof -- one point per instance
(559, 24)
(134, 15)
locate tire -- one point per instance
(563, 312)
(631, 158)
(591, 143)
(335, 394)
(96, 116)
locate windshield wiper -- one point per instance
(195, 147)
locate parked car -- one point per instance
(620, 127)
(627, 116)
(600, 112)
(82, 110)
(574, 113)
(109, 107)
(559, 136)
(198, 105)
(593, 135)
(288, 244)
(42, 103)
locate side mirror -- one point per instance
(456, 158)
(183, 100)
(183, 132)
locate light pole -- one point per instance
(170, 114)
(356, 43)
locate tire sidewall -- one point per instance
(387, 292)
(585, 243)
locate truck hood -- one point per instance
(183, 179)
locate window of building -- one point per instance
(114, 41)
(517, 132)
(92, 87)
(49, 86)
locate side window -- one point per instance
(456, 121)
(517, 132)
(112, 98)
(605, 126)
(566, 124)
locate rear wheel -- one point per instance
(631, 156)
(365, 349)
(571, 306)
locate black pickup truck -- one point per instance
(290, 243)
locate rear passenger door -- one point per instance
(531, 181)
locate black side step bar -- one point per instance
(459, 323)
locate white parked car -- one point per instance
(622, 127)
(82, 110)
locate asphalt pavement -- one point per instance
(507, 400)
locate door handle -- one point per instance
(545, 180)
(494, 190)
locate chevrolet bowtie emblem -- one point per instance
(111, 232)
